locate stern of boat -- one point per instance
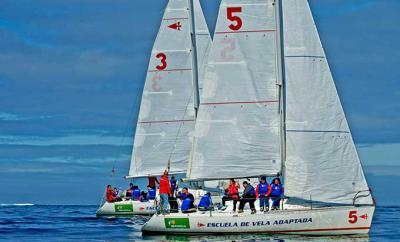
(127, 207)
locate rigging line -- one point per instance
(179, 129)
(125, 130)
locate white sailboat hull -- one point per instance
(129, 207)
(318, 221)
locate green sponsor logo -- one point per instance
(123, 207)
(177, 223)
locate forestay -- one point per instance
(166, 119)
(203, 41)
(322, 162)
(237, 128)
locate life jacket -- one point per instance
(183, 196)
(109, 195)
(252, 190)
(136, 193)
(205, 201)
(233, 190)
(263, 188)
(152, 194)
(186, 204)
(277, 190)
(173, 185)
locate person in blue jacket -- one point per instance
(263, 191)
(136, 193)
(205, 203)
(151, 192)
(143, 197)
(187, 199)
(174, 185)
(276, 193)
(249, 195)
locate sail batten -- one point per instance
(166, 118)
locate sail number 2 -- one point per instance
(353, 217)
(230, 11)
(163, 60)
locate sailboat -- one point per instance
(269, 107)
(165, 125)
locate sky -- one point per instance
(72, 73)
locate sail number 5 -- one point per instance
(230, 11)
(163, 60)
(353, 217)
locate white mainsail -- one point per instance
(166, 119)
(321, 158)
(237, 127)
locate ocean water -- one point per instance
(25, 222)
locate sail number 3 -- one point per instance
(163, 60)
(230, 11)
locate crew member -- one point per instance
(151, 192)
(232, 193)
(165, 192)
(263, 191)
(109, 194)
(143, 197)
(173, 185)
(152, 181)
(116, 196)
(136, 193)
(249, 195)
(187, 199)
(276, 193)
(205, 203)
(129, 191)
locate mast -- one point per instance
(281, 81)
(194, 58)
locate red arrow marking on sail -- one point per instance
(176, 26)
(364, 216)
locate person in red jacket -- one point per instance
(232, 193)
(109, 194)
(152, 182)
(165, 192)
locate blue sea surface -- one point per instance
(26, 222)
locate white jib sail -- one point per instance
(166, 119)
(321, 158)
(237, 127)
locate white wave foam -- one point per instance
(16, 204)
